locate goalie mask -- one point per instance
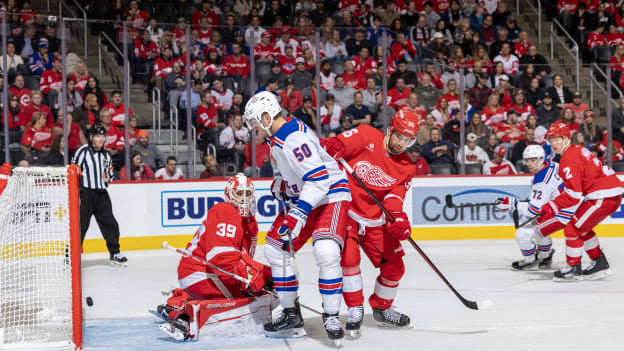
(404, 129)
(239, 192)
(257, 106)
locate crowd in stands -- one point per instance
(435, 51)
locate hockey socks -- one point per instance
(327, 255)
(284, 281)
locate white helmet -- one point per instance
(239, 191)
(534, 151)
(259, 104)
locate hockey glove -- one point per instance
(292, 224)
(549, 210)
(400, 229)
(255, 274)
(334, 147)
(278, 189)
(507, 203)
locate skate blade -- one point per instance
(574, 279)
(354, 334)
(176, 334)
(599, 275)
(118, 264)
(155, 313)
(525, 269)
(337, 343)
(286, 334)
(393, 326)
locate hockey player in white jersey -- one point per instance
(318, 195)
(546, 186)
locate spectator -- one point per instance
(472, 76)
(420, 33)
(398, 95)
(451, 94)
(410, 77)
(170, 171)
(253, 30)
(196, 99)
(474, 154)
(617, 122)
(430, 14)
(15, 63)
(146, 52)
(381, 111)
(15, 118)
(502, 36)
(117, 109)
(388, 14)
(428, 93)
(155, 30)
(263, 158)
(422, 168)
(25, 43)
(513, 29)
(581, 21)
(486, 31)
(222, 96)
(162, 67)
(307, 113)
(560, 94)
(435, 79)
(93, 87)
(451, 72)
(438, 46)
(498, 165)
(75, 136)
(412, 104)
(353, 79)
(520, 105)
(139, 17)
(522, 46)
(511, 130)
(138, 170)
(37, 105)
(301, 77)
(237, 66)
(52, 158)
(590, 130)
(36, 136)
(150, 154)
(335, 49)
(534, 93)
(115, 141)
(480, 93)
(578, 139)
(538, 130)
(363, 63)
(133, 131)
(360, 113)
(343, 94)
(424, 131)
(617, 152)
(596, 38)
(477, 15)
(290, 97)
(578, 107)
(442, 112)
(51, 82)
(441, 28)
(330, 114)
(510, 61)
(567, 117)
(277, 74)
(478, 128)
(517, 149)
(233, 139)
(547, 113)
(41, 60)
(403, 48)
(437, 150)
(452, 128)
(538, 61)
(212, 167)
(346, 123)
(87, 114)
(499, 17)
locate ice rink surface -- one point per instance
(530, 311)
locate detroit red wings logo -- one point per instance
(373, 175)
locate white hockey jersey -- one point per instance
(546, 186)
(312, 177)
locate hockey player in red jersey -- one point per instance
(592, 193)
(226, 239)
(381, 163)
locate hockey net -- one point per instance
(40, 293)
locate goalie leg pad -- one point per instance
(284, 280)
(327, 255)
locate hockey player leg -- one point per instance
(352, 285)
(290, 322)
(386, 288)
(599, 267)
(545, 251)
(327, 255)
(574, 251)
(524, 238)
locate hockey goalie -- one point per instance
(212, 298)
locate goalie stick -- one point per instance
(468, 303)
(185, 253)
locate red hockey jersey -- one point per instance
(36, 138)
(50, 80)
(240, 65)
(387, 176)
(355, 80)
(207, 117)
(222, 239)
(118, 114)
(114, 139)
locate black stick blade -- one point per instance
(449, 200)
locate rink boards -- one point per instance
(152, 212)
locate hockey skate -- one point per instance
(569, 274)
(288, 325)
(544, 263)
(334, 328)
(599, 268)
(176, 329)
(118, 260)
(390, 317)
(355, 315)
(524, 265)
(162, 311)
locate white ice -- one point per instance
(530, 311)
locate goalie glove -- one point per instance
(255, 273)
(334, 147)
(507, 203)
(294, 221)
(400, 229)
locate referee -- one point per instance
(96, 171)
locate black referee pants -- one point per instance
(97, 203)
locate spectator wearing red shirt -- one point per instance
(17, 88)
(422, 167)
(398, 95)
(568, 117)
(80, 76)
(37, 106)
(403, 48)
(75, 136)
(614, 37)
(162, 66)
(522, 46)
(51, 81)
(117, 109)
(207, 120)
(288, 60)
(133, 131)
(237, 65)
(114, 139)
(139, 17)
(578, 107)
(493, 113)
(205, 11)
(263, 155)
(364, 64)
(138, 169)
(36, 135)
(27, 14)
(498, 165)
(436, 79)
(352, 78)
(596, 38)
(291, 97)
(265, 50)
(15, 113)
(145, 53)
(523, 108)
(511, 130)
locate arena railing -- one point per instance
(576, 48)
(105, 39)
(156, 112)
(64, 7)
(537, 11)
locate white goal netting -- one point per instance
(35, 264)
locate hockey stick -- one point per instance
(293, 263)
(185, 253)
(529, 220)
(468, 303)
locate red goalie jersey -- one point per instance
(388, 176)
(222, 240)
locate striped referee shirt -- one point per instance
(92, 165)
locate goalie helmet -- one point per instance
(239, 191)
(258, 105)
(534, 151)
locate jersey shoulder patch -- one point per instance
(546, 173)
(292, 126)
